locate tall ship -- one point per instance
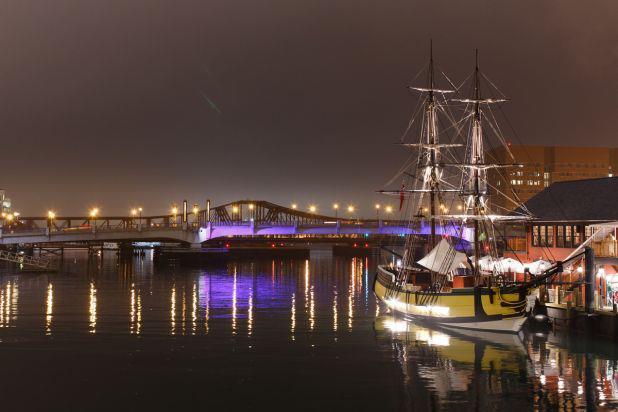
(450, 273)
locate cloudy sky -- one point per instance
(120, 103)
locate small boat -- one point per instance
(449, 285)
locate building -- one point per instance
(567, 216)
(544, 165)
(5, 202)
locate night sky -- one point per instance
(123, 103)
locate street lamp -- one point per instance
(139, 211)
(336, 207)
(377, 211)
(175, 213)
(294, 206)
(388, 210)
(51, 215)
(195, 210)
(312, 209)
(93, 215)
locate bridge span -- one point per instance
(241, 218)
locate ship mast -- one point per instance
(431, 170)
(477, 157)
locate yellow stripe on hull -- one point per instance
(447, 307)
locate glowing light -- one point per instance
(94, 212)
(293, 316)
(312, 208)
(173, 311)
(133, 212)
(251, 206)
(396, 325)
(377, 206)
(234, 209)
(174, 210)
(49, 308)
(9, 217)
(195, 209)
(294, 205)
(388, 209)
(351, 209)
(92, 308)
(335, 206)
(16, 214)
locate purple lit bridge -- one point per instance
(245, 218)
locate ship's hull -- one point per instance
(493, 309)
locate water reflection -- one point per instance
(49, 308)
(92, 308)
(481, 368)
(319, 311)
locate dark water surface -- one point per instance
(275, 334)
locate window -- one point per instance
(536, 240)
(577, 236)
(550, 236)
(560, 236)
(568, 236)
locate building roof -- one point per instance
(576, 201)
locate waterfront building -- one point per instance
(568, 216)
(544, 165)
(5, 202)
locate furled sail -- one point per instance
(443, 258)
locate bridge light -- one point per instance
(174, 210)
(351, 209)
(234, 209)
(195, 209)
(3, 215)
(294, 205)
(378, 206)
(16, 214)
(388, 209)
(9, 217)
(251, 206)
(312, 209)
(94, 212)
(51, 215)
(133, 212)
(336, 206)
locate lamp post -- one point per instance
(336, 207)
(388, 210)
(139, 210)
(93, 216)
(133, 214)
(175, 214)
(196, 210)
(377, 211)
(312, 208)
(351, 211)
(51, 215)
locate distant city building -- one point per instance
(544, 165)
(5, 202)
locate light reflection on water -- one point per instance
(307, 315)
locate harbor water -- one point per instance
(296, 334)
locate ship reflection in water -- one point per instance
(255, 334)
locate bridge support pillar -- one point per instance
(338, 227)
(196, 245)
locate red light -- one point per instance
(272, 245)
(227, 245)
(366, 244)
(355, 245)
